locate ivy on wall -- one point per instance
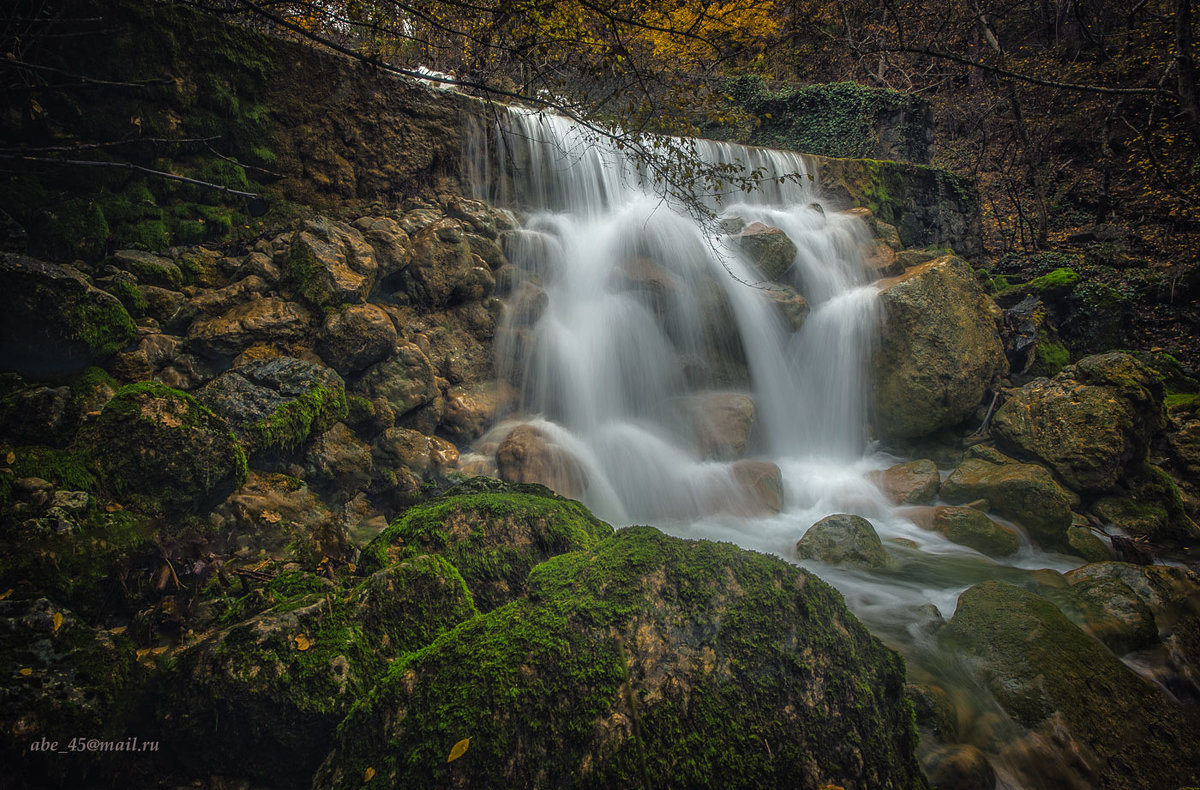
(840, 119)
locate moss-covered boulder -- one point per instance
(1051, 677)
(493, 532)
(52, 321)
(276, 404)
(939, 349)
(967, 526)
(62, 680)
(648, 661)
(1024, 493)
(262, 698)
(1089, 423)
(161, 450)
(1113, 613)
(843, 539)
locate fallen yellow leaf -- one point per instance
(11, 458)
(271, 517)
(26, 672)
(458, 750)
(368, 775)
(302, 642)
(6, 593)
(112, 507)
(58, 618)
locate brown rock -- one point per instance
(356, 338)
(527, 456)
(911, 483)
(258, 322)
(768, 248)
(939, 349)
(722, 423)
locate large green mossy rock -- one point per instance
(939, 349)
(1024, 493)
(276, 404)
(648, 661)
(52, 321)
(1090, 423)
(843, 539)
(160, 450)
(62, 680)
(261, 699)
(493, 532)
(1055, 679)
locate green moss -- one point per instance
(129, 294)
(1182, 402)
(1051, 356)
(303, 270)
(290, 425)
(1057, 282)
(103, 326)
(493, 537)
(160, 450)
(66, 469)
(74, 228)
(648, 661)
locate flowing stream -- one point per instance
(652, 321)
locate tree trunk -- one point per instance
(1186, 78)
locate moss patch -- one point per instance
(494, 536)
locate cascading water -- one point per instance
(631, 322)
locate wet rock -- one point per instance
(494, 533)
(470, 412)
(527, 455)
(967, 526)
(280, 517)
(768, 248)
(330, 263)
(339, 462)
(39, 415)
(402, 448)
(405, 380)
(959, 767)
(623, 622)
(843, 539)
(1084, 543)
(213, 303)
(266, 694)
(722, 423)
(758, 490)
(939, 350)
(1089, 423)
(356, 338)
(261, 321)
(162, 450)
(393, 248)
(1024, 493)
(1114, 613)
(910, 483)
(792, 306)
(1052, 677)
(276, 404)
(148, 268)
(52, 322)
(1160, 586)
(526, 304)
(443, 270)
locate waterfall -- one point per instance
(652, 315)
